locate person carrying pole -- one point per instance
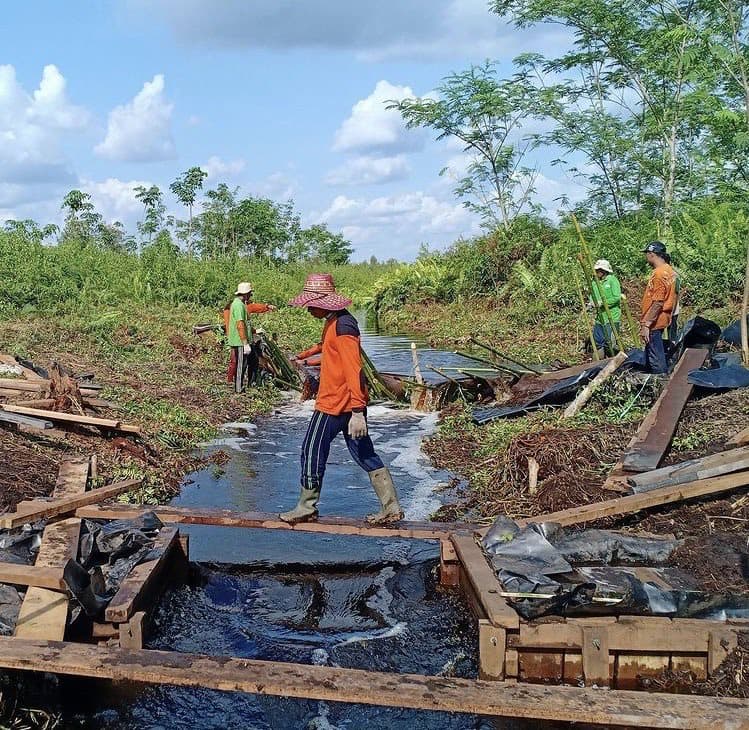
(251, 307)
(606, 287)
(657, 307)
(340, 406)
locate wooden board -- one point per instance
(573, 370)
(72, 477)
(263, 520)
(25, 386)
(137, 591)
(636, 502)
(651, 443)
(44, 613)
(16, 419)
(66, 505)
(68, 418)
(485, 584)
(740, 439)
(494, 699)
(32, 575)
(595, 651)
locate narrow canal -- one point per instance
(367, 603)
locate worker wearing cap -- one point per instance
(606, 294)
(252, 361)
(657, 306)
(340, 405)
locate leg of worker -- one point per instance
(673, 328)
(601, 338)
(655, 355)
(363, 452)
(241, 372)
(231, 373)
(253, 363)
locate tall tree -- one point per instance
(325, 246)
(80, 214)
(186, 187)
(487, 115)
(153, 210)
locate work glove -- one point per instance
(247, 348)
(357, 426)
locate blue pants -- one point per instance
(604, 337)
(655, 356)
(322, 429)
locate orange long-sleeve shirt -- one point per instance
(342, 384)
(252, 308)
(661, 288)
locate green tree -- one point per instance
(153, 210)
(486, 114)
(186, 187)
(80, 211)
(325, 246)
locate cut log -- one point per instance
(55, 416)
(587, 392)
(263, 520)
(138, 589)
(36, 403)
(67, 505)
(654, 437)
(333, 684)
(485, 583)
(636, 502)
(573, 370)
(32, 575)
(26, 386)
(726, 462)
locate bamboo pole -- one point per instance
(529, 368)
(495, 366)
(587, 321)
(633, 330)
(744, 311)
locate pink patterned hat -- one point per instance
(319, 291)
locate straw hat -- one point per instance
(603, 265)
(319, 291)
(244, 287)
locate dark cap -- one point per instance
(656, 247)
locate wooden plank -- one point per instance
(72, 477)
(38, 403)
(720, 645)
(595, 651)
(25, 421)
(740, 439)
(139, 587)
(573, 370)
(587, 392)
(132, 633)
(650, 445)
(24, 386)
(484, 582)
(333, 684)
(66, 505)
(69, 418)
(449, 564)
(636, 502)
(492, 644)
(44, 613)
(263, 520)
(32, 575)
(714, 465)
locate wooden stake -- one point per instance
(417, 369)
(587, 392)
(533, 468)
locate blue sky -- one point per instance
(283, 98)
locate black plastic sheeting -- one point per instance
(18, 546)
(726, 377)
(732, 333)
(558, 393)
(576, 567)
(698, 332)
(108, 552)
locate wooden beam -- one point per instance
(651, 442)
(595, 653)
(573, 370)
(714, 465)
(263, 520)
(636, 502)
(740, 439)
(70, 418)
(32, 575)
(66, 505)
(25, 386)
(137, 591)
(587, 392)
(333, 684)
(484, 581)
(72, 477)
(25, 421)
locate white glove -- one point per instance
(247, 348)
(357, 426)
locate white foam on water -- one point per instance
(320, 657)
(386, 633)
(240, 426)
(236, 443)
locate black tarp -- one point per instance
(727, 377)
(732, 333)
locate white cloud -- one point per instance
(115, 199)
(51, 105)
(423, 29)
(141, 130)
(277, 186)
(372, 126)
(369, 170)
(218, 168)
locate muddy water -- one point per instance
(339, 601)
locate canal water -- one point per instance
(365, 603)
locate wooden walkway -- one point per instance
(495, 699)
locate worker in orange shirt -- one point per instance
(657, 306)
(233, 327)
(340, 406)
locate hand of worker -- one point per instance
(272, 307)
(247, 348)
(645, 333)
(357, 426)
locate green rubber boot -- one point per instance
(306, 509)
(390, 511)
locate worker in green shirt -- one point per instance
(238, 335)
(606, 288)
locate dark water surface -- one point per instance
(366, 603)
